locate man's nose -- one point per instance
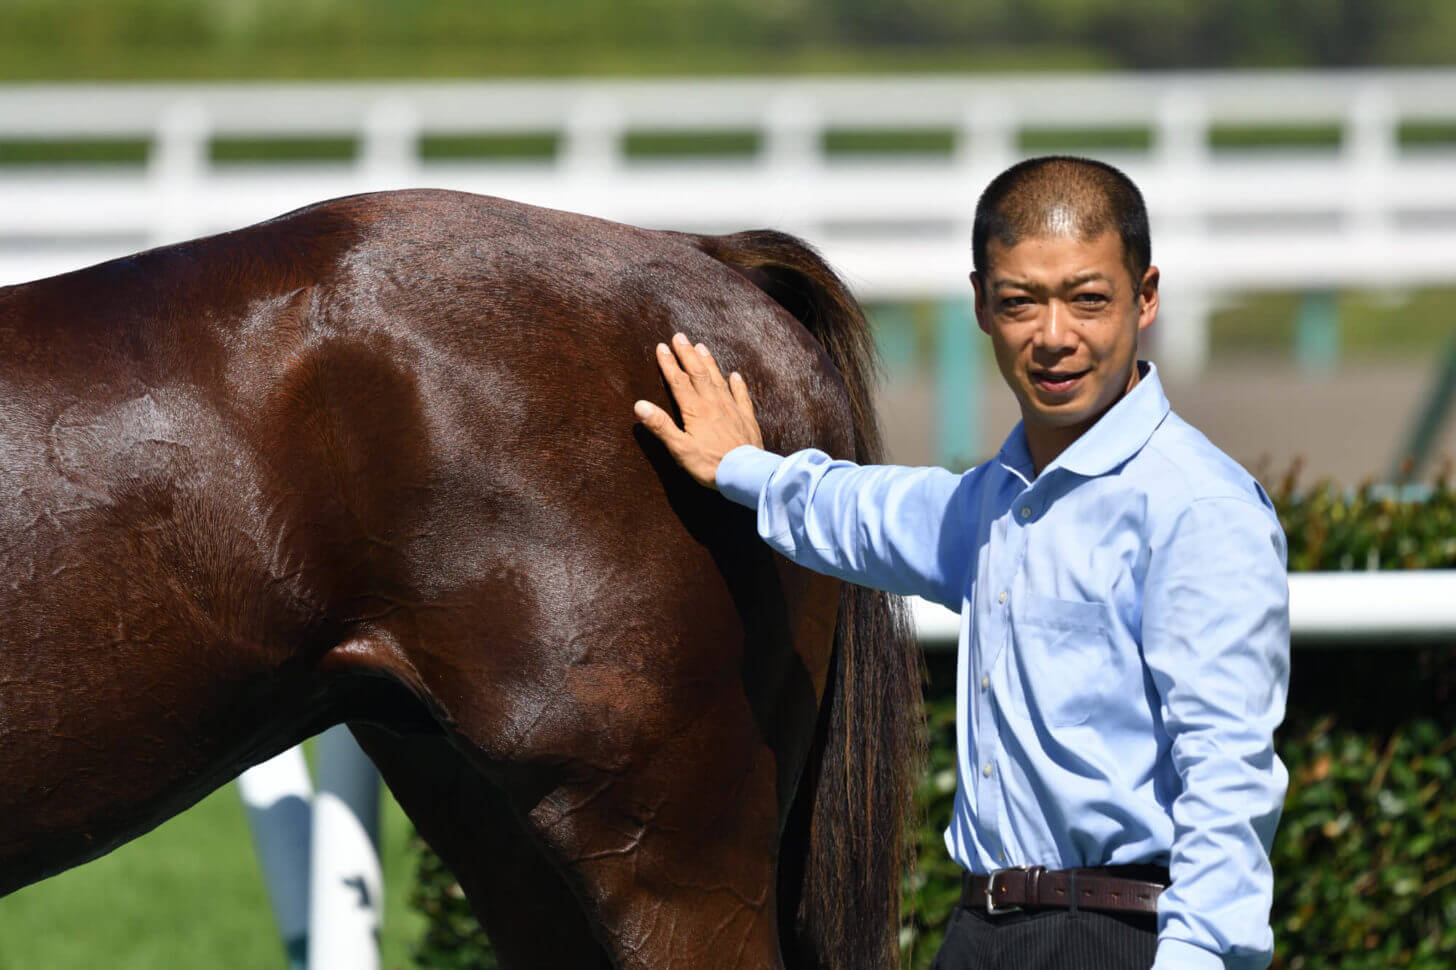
(1054, 332)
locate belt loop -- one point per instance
(1072, 892)
(1033, 885)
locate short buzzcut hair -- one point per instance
(1060, 195)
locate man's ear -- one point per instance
(1148, 298)
(983, 312)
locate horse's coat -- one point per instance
(374, 461)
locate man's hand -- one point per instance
(717, 414)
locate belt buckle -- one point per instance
(991, 908)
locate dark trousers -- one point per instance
(1048, 939)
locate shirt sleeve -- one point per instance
(886, 526)
(1216, 640)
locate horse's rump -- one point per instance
(375, 460)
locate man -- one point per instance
(1124, 642)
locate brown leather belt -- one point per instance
(1008, 890)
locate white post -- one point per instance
(1370, 146)
(179, 160)
(791, 152)
(346, 894)
(592, 139)
(986, 140)
(389, 156)
(1182, 331)
(1181, 148)
(277, 796)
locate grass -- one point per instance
(1372, 324)
(188, 894)
(21, 61)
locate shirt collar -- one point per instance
(1117, 436)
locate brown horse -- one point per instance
(374, 462)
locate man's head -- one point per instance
(1062, 195)
(1063, 287)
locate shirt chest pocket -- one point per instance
(1065, 659)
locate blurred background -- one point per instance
(1298, 157)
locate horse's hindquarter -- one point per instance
(608, 640)
(465, 443)
(392, 436)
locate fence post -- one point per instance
(277, 796)
(1371, 146)
(1317, 332)
(958, 384)
(178, 163)
(346, 890)
(390, 153)
(1181, 147)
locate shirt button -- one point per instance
(986, 770)
(1001, 596)
(985, 682)
(1026, 511)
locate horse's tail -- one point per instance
(842, 909)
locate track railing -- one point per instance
(1372, 204)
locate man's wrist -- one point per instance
(743, 472)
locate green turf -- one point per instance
(187, 895)
(73, 151)
(308, 149)
(1407, 323)
(889, 141)
(691, 144)
(1054, 141)
(530, 146)
(1280, 136)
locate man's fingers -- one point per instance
(715, 376)
(739, 387)
(659, 422)
(692, 361)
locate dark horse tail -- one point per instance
(840, 903)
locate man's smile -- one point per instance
(1059, 381)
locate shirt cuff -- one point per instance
(743, 473)
(1181, 955)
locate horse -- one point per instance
(373, 462)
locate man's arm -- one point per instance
(1216, 639)
(884, 526)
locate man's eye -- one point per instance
(1091, 299)
(1013, 302)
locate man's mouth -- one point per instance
(1057, 381)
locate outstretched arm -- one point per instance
(893, 528)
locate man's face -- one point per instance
(1063, 316)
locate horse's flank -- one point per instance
(374, 461)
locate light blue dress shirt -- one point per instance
(1124, 649)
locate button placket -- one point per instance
(1007, 554)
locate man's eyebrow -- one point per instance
(1012, 282)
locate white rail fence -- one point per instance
(1373, 210)
(1388, 608)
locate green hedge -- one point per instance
(1365, 859)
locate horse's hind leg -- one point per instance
(533, 919)
(675, 856)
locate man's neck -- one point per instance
(1045, 442)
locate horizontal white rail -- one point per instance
(1350, 607)
(1370, 210)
